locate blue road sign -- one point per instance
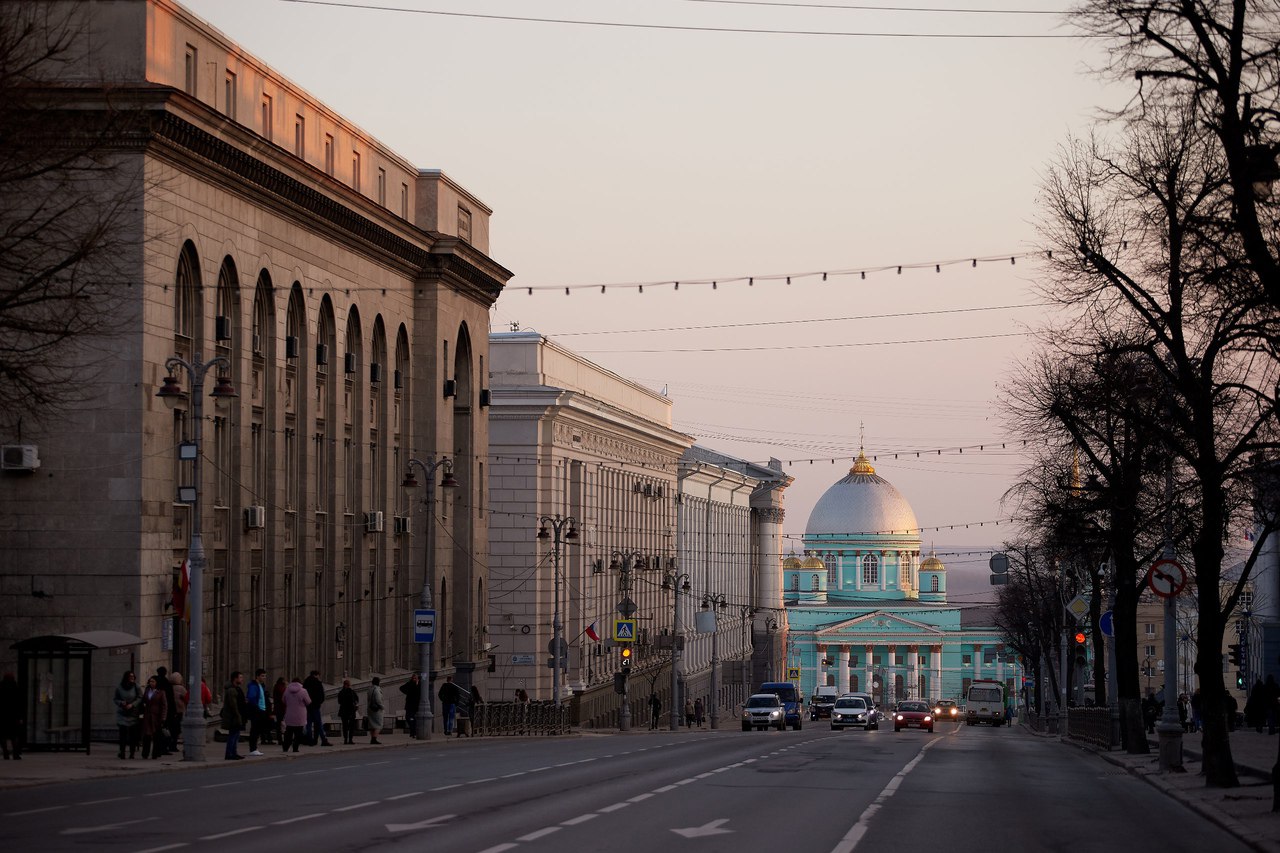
(424, 626)
(1106, 624)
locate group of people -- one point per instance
(1262, 708)
(694, 711)
(150, 715)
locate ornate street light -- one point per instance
(193, 723)
(677, 583)
(560, 536)
(714, 602)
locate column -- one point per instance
(842, 673)
(869, 673)
(913, 672)
(935, 680)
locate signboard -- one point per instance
(424, 626)
(1166, 578)
(1078, 606)
(1107, 625)
(624, 630)
(522, 660)
(793, 673)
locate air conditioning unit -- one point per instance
(20, 457)
(291, 346)
(373, 522)
(375, 372)
(222, 328)
(255, 517)
(322, 353)
(349, 362)
(400, 525)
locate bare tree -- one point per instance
(63, 215)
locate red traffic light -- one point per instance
(1080, 637)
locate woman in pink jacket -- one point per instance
(296, 701)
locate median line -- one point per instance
(535, 835)
(582, 818)
(405, 796)
(290, 820)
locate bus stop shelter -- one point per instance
(56, 679)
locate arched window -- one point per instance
(934, 584)
(795, 582)
(815, 584)
(186, 294)
(870, 570)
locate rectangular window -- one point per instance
(300, 136)
(853, 661)
(355, 171)
(404, 201)
(229, 95)
(193, 59)
(382, 187)
(988, 657)
(898, 659)
(1149, 651)
(464, 223)
(966, 660)
(1150, 629)
(266, 117)
(328, 154)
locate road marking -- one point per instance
(514, 775)
(534, 836)
(499, 848)
(613, 808)
(429, 823)
(664, 789)
(582, 818)
(100, 802)
(446, 787)
(290, 820)
(34, 811)
(239, 831)
(859, 829)
(709, 828)
(540, 769)
(267, 778)
(166, 793)
(639, 798)
(480, 781)
(405, 796)
(374, 763)
(165, 847)
(356, 806)
(82, 830)
(310, 772)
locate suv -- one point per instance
(821, 703)
(763, 711)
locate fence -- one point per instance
(490, 719)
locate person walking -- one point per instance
(699, 711)
(166, 687)
(412, 690)
(688, 713)
(375, 708)
(206, 697)
(277, 707)
(348, 711)
(233, 712)
(12, 716)
(155, 710)
(293, 704)
(1196, 710)
(655, 710)
(256, 702)
(449, 696)
(315, 717)
(180, 698)
(128, 700)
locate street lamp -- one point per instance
(193, 724)
(677, 583)
(714, 602)
(622, 562)
(426, 718)
(558, 649)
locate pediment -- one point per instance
(877, 623)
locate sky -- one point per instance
(681, 148)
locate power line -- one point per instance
(840, 7)
(783, 347)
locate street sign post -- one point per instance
(1166, 578)
(424, 626)
(624, 630)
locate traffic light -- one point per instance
(1235, 654)
(1081, 637)
(1081, 649)
(1239, 680)
(626, 660)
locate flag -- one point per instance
(1249, 534)
(592, 632)
(182, 594)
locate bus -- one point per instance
(984, 702)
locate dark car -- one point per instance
(946, 709)
(913, 713)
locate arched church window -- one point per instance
(795, 583)
(934, 585)
(815, 584)
(870, 569)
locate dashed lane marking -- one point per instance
(297, 819)
(241, 831)
(534, 836)
(405, 796)
(356, 806)
(613, 808)
(582, 818)
(34, 811)
(100, 802)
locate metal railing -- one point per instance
(494, 719)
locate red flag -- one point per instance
(182, 594)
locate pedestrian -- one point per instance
(128, 699)
(162, 682)
(233, 713)
(699, 711)
(655, 710)
(315, 717)
(375, 707)
(180, 698)
(256, 702)
(688, 713)
(277, 707)
(155, 710)
(206, 697)
(1197, 709)
(348, 710)
(293, 703)
(1184, 711)
(449, 696)
(1149, 714)
(12, 716)
(412, 690)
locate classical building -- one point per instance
(867, 614)
(659, 526)
(346, 293)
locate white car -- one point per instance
(763, 711)
(852, 711)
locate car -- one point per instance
(763, 711)
(913, 713)
(876, 716)
(820, 704)
(852, 711)
(946, 709)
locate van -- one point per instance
(822, 701)
(792, 701)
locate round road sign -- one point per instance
(1167, 578)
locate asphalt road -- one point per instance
(960, 789)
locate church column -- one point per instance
(913, 668)
(935, 664)
(842, 672)
(884, 570)
(857, 574)
(868, 678)
(891, 673)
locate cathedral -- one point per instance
(866, 614)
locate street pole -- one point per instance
(193, 722)
(1169, 730)
(558, 647)
(674, 582)
(715, 602)
(426, 717)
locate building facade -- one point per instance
(346, 294)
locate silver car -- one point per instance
(853, 711)
(763, 711)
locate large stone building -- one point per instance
(348, 292)
(658, 522)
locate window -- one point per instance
(870, 570)
(266, 117)
(300, 135)
(898, 659)
(229, 95)
(853, 660)
(966, 660)
(795, 583)
(193, 60)
(988, 657)
(382, 187)
(814, 584)
(355, 171)
(464, 223)
(1149, 651)
(328, 153)
(404, 201)
(934, 584)
(1150, 629)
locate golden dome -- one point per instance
(932, 564)
(861, 465)
(792, 563)
(813, 563)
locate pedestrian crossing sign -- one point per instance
(624, 630)
(793, 673)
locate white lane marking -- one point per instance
(480, 781)
(221, 785)
(664, 789)
(239, 831)
(34, 811)
(540, 769)
(499, 848)
(100, 802)
(310, 772)
(290, 820)
(356, 806)
(374, 763)
(268, 778)
(639, 798)
(582, 818)
(165, 847)
(514, 775)
(446, 787)
(534, 836)
(405, 796)
(166, 793)
(82, 830)
(856, 832)
(613, 808)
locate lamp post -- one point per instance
(558, 649)
(193, 724)
(677, 584)
(426, 718)
(714, 602)
(622, 562)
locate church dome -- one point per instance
(861, 503)
(813, 563)
(932, 564)
(792, 563)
